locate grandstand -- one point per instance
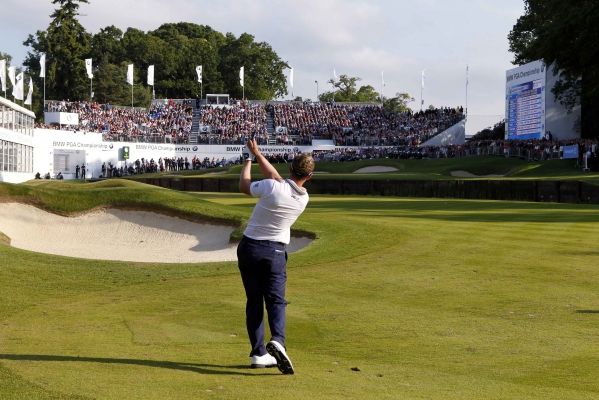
(271, 123)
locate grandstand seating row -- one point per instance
(288, 123)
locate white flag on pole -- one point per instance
(199, 72)
(151, 75)
(30, 93)
(11, 75)
(383, 78)
(422, 90)
(43, 65)
(291, 78)
(88, 68)
(467, 73)
(241, 76)
(3, 74)
(335, 75)
(130, 74)
(17, 90)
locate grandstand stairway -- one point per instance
(195, 125)
(270, 127)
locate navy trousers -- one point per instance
(262, 264)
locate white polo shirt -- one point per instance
(280, 204)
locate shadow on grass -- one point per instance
(205, 369)
(587, 311)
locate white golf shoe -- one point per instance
(265, 361)
(277, 350)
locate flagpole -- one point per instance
(466, 92)
(382, 86)
(131, 93)
(91, 89)
(422, 91)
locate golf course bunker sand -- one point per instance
(466, 174)
(375, 169)
(123, 235)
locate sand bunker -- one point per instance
(374, 169)
(124, 235)
(466, 174)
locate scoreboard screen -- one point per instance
(525, 102)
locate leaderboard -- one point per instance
(526, 114)
(525, 101)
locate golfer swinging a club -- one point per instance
(262, 255)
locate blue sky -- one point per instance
(354, 37)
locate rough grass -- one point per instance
(398, 298)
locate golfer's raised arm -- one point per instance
(266, 167)
(245, 178)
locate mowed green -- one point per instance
(395, 299)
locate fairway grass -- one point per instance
(396, 299)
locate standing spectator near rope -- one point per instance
(262, 255)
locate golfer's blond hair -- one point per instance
(302, 165)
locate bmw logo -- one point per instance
(110, 146)
(195, 148)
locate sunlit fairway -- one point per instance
(396, 299)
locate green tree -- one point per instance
(263, 78)
(66, 44)
(200, 46)
(367, 94)
(106, 46)
(399, 103)
(564, 33)
(345, 89)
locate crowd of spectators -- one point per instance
(169, 120)
(308, 121)
(359, 125)
(234, 124)
(291, 123)
(373, 125)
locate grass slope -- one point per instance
(427, 299)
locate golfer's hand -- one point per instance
(253, 147)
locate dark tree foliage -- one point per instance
(345, 89)
(565, 33)
(497, 132)
(399, 103)
(66, 44)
